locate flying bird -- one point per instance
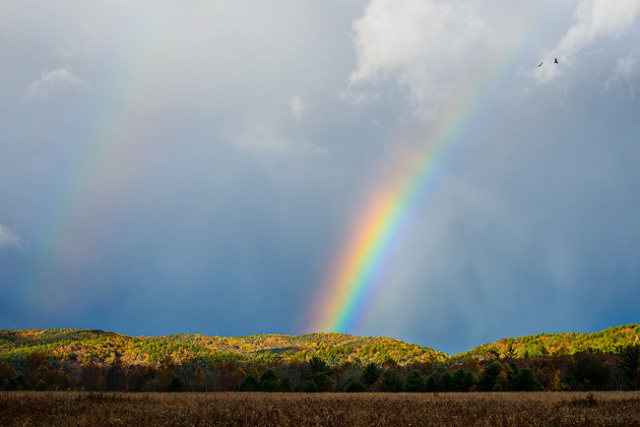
(556, 61)
(540, 64)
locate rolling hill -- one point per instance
(78, 346)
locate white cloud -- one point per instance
(625, 69)
(264, 142)
(52, 82)
(593, 19)
(424, 46)
(9, 238)
(299, 107)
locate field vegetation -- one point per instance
(320, 409)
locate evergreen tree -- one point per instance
(446, 382)
(371, 374)
(269, 381)
(433, 383)
(463, 380)
(320, 373)
(250, 383)
(524, 381)
(391, 382)
(416, 382)
(489, 377)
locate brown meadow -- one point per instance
(326, 409)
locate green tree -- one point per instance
(371, 374)
(446, 382)
(416, 382)
(320, 373)
(269, 381)
(463, 380)
(524, 381)
(489, 377)
(391, 382)
(250, 383)
(433, 382)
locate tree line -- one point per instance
(581, 371)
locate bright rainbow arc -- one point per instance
(348, 291)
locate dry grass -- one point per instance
(367, 409)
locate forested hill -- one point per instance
(79, 346)
(605, 341)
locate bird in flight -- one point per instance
(556, 61)
(540, 64)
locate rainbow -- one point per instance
(352, 284)
(117, 126)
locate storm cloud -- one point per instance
(196, 166)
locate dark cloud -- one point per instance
(195, 167)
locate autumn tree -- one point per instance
(7, 374)
(551, 378)
(504, 378)
(37, 370)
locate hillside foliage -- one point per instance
(99, 360)
(605, 341)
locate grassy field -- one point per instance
(367, 409)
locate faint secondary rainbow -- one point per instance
(346, 293)
(83, 194)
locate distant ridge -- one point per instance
(97, 346)
(604, 341)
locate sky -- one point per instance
(399, 168)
